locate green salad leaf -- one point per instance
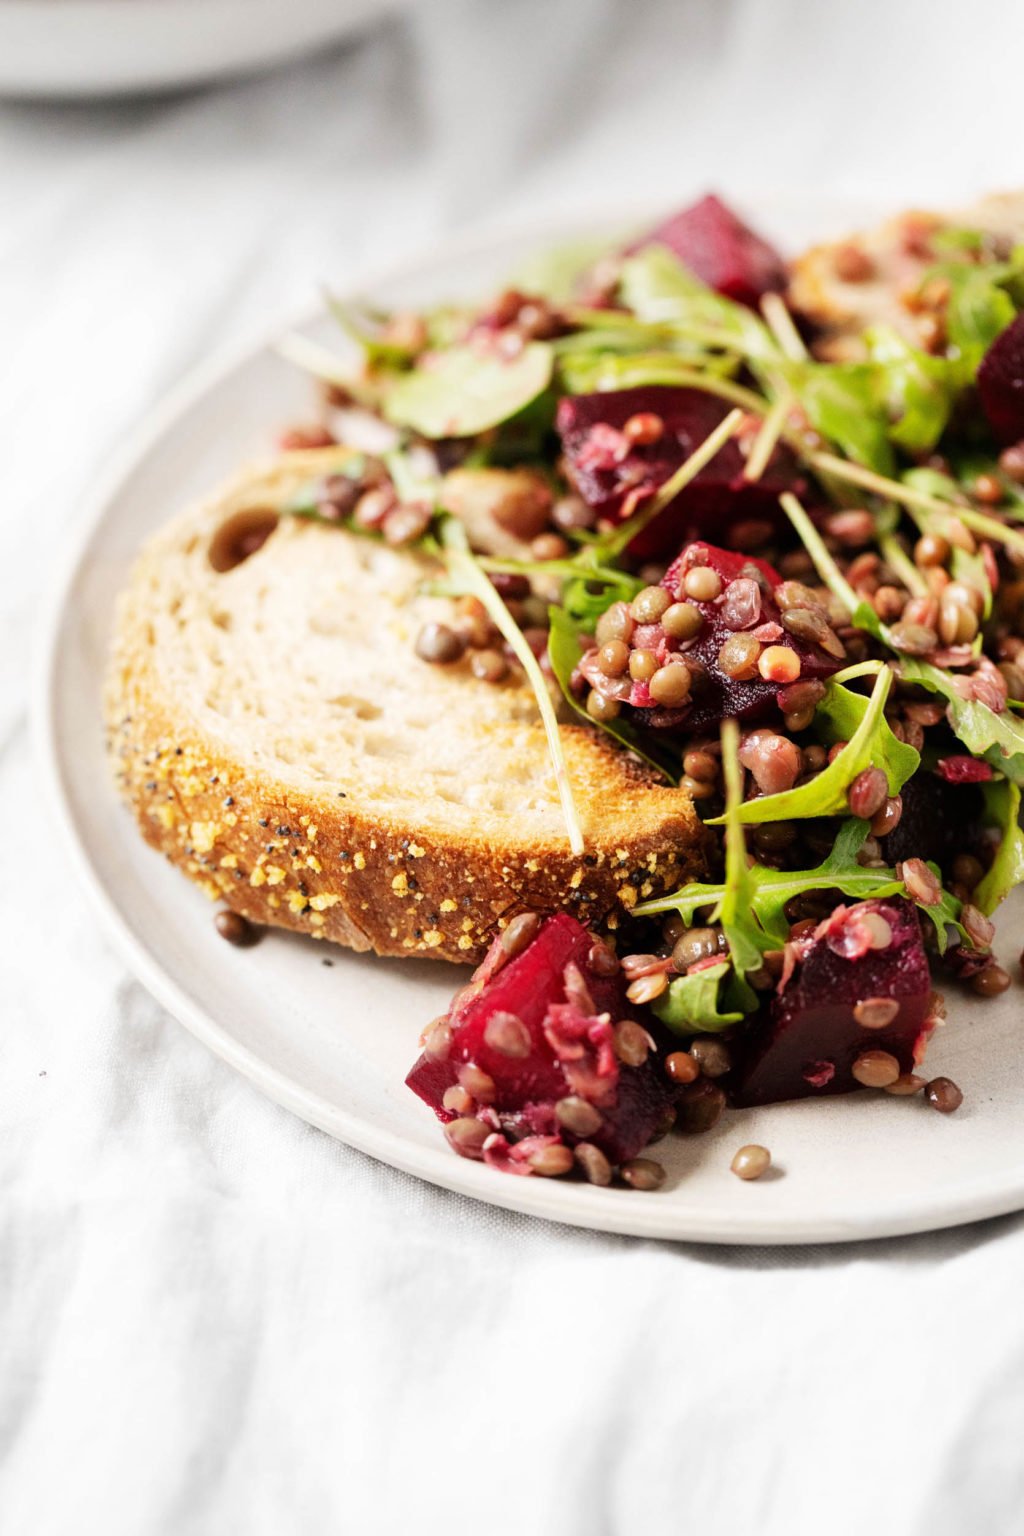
(555, 272)
(999, 739)
(1002, 810)
(919, 390)
(565, 652)
(860, 722)
(841, 402)
(463, 391)
(773, 889)
(658, 288)
(694, 1002)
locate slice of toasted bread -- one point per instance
(845, 286)
(279, 740)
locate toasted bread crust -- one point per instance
(319, 864)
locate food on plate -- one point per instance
(279, 736)
(649, 635)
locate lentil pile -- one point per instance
(778, 554)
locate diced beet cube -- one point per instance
(806, 1042)
(745, 606)
(617, 477)
(540, 1029)
(721, 250)
(1001, 383)
(940, 818)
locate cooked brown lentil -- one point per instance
(991, 981)
(489, 666)
(616, 623)
(642, 665)
(594, 1165)
(681, 621)
(600, 708)
(868, 793)
(467, 1136)
(237, 930)
(578, 1116)
(876, 1012)
(647, 988)
(649, 605)
(520, 933)
(702, 584)
(440, 644)
(670, 685)
(642, 1173)
(739, 656)
(779, 664)
(751, 1162)
(508, 1035)
(944, 1095)
(681, 1067)
(551, 1162)
(876, 1069)
(906, 1084)
(632, 1043)
(711, 1055)
(643, 429)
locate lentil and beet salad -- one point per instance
(787, 570)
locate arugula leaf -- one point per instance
(657, 287)
(773, 889)
(860, 722)
(585, 372)
(999, 739)
(556, 271)
(463, 391)
(693, 1002)
(565, 652)
(1002, 809)
(841, 403)
(363, 328)
(918, 389)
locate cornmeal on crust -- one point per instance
(277, 738)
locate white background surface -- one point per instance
(215, 1320)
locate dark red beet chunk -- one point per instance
(940, 819)
(721, 250)
(747, 586)
(807, 1041)
(616, 478)
(568, 1053)
(1001, 384)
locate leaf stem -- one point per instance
(780, 323)
(462, 564)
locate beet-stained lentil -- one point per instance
(467, 1137)
(681, 1067)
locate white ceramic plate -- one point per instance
(333, 1043)
(105, 47)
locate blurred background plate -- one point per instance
(115, 47)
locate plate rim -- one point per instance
(614, 1211)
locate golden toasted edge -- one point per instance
(321, 866)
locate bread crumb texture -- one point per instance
(277, 739)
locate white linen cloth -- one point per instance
(214, 1320)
